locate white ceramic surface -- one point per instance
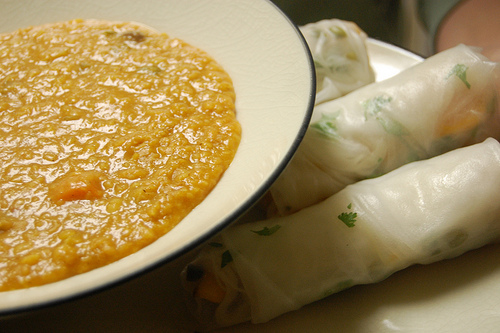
(273, 76)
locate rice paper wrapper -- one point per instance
(421, 213)
(446, 102)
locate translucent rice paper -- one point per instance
(340, 57)
(423, 212)
(447, 101)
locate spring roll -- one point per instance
(340, 57)
(447, 101)
(420, 213)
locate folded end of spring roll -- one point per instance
(340, 57)
(214, 292)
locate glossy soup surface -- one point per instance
(110, 134)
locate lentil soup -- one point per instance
(110, 134)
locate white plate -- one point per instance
(454, 296)
(273, 77)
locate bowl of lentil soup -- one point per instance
(119, 144)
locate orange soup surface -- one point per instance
(110, 134)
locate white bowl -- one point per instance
(273, 76)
